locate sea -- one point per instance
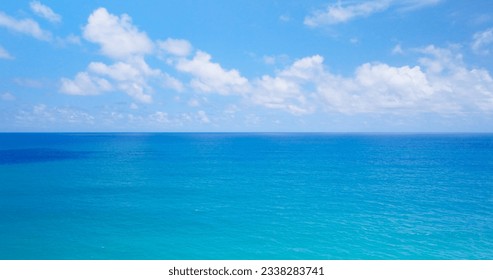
(245, 196)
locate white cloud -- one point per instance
(441, 83)
(339, 13)
(482, 42)
(409, 5)
(336, 13)
(375, 87)
(172, 82)
(132, 77)
(24, 26)
(85, 84)
(4, 54)
(128, 77)
(466, 88)
(122, 41)
(207, 76)
(176, 47)
(305, 68)
(287, 90)
(211, 77)
(44, 12)
(438, 60)
(135, 69)
(118, 37)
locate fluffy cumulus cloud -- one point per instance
(116, 35)
(121, 41)
(177, 47)
(206, 76)
(45, 12)
(211, 77)
(375, 87)
(289, 90)
(130, 77)
(24, 26)
(85, 84)
(341, 12)
(439, 82)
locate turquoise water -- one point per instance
(246, 196)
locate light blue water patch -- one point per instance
(246, 196)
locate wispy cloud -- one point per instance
(409, 5)
(4, 54)
(24, 26)
(397, 50)
(45, 12)
(340, 13)
(337, 13)
(482, 41)
(48, 115)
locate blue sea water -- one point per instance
(246, 196)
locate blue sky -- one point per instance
(247, 65)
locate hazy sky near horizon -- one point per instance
(247, 65)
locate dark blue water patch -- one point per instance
(22, 156)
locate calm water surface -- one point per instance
(246, 196)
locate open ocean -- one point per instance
(246, 196)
